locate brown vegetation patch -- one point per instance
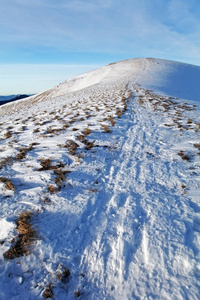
(86, 131)
(36, 130)
(7, 135)
(65, 126)
(48, 292)
(118, 113)
(197, 146)
(81, 138)
(8, 183)
(52, 189)
(53, 130)
(77, 294)
(6, 161)
(106, 128)
(46, 164)
(184, 156)
(60, 177)
(72, 146)
(64, 274)
(92, 190)
(112, 120)
(25, 238)
(88, 145)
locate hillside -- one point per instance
(100, 185)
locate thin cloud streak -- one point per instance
(102, 26)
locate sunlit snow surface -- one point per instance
(126, 221)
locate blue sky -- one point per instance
(44, 42)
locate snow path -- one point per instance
(139, 201)
(127, 220)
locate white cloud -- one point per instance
(103, 26)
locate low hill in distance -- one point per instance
(11, 98)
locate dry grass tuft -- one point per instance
(7, 135)
(86, 131)
(65, 126)
(25, 238)
(60, 177)
(72, 146)
(184, 156)
(77, 294)
(48, 292)
(46, 200)
(118, 113)
(197, 146)
(52, 189)
(198, 125)
(23, 152)
(81, 138)
(64, 274)
(93, 190)
(6, 161)
(88, 145)
(36, 130)
(8, 183)
(106, 128)
(46, 164)
(112, 121)
(51, 130)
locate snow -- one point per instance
(126, 222)
(6, 228)
(174, 79)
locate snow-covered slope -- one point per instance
(103, 173)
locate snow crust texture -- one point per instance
(107, 164)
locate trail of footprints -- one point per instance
(24, 139)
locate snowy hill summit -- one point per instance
(165, 77)
(100, 186)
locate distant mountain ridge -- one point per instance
(10, 98)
